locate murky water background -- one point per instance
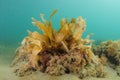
(102, 17)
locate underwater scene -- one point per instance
(59, 39)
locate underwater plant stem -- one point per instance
(66, 48)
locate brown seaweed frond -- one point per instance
(111, 49)
(57, 52)
(53, 13)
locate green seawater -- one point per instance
(102, 18)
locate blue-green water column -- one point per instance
(102, 17)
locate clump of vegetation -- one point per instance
(58, 52)
(110, 50)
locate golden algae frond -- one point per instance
(58, 52)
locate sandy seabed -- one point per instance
(6, 72)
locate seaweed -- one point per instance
(111, 52)
(57, 52)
